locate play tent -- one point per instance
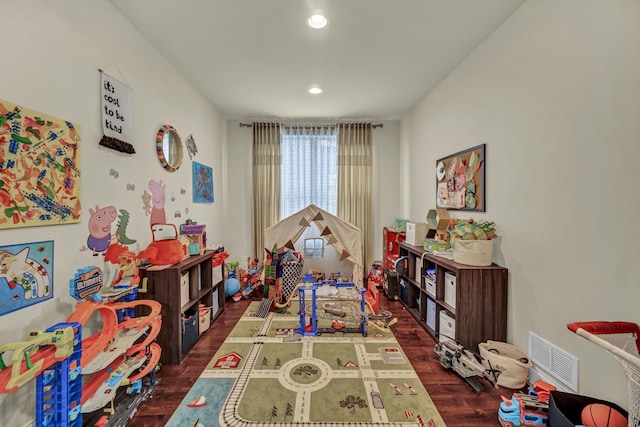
(343, 236)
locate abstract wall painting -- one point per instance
(39, 168)
(202, 183)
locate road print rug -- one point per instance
(265, 374)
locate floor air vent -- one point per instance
(555, 361)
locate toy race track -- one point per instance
(120, 354)
(125, 406)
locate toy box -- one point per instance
(565, 409)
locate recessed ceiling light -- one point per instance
(315, 90)
(317, 21)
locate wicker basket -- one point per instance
(473, 252)
(512, 363)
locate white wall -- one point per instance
(51, 65)
(555, 95)
(238, 200)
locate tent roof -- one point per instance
(345, 237)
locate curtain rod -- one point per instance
(248, 125)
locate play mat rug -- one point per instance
(264, 373)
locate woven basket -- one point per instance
(513, 363)
(473, 252)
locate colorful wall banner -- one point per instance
(117, 123)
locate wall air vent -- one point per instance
(555, 361)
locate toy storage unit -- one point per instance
(447, 327)
(165, 285)
(416, 232)
(475, 297)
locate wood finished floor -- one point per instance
(458, 405)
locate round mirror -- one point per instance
(169, 148)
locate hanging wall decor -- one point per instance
(39, 168)
(460, 180)
(115, 106)
(202, 183)
(27, 270)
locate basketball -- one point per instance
(599, 415)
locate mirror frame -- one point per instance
(170, 130)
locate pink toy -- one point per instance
(100, 228)
(157, 202)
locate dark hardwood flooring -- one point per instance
(457, 403)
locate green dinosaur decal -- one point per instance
(121, 231)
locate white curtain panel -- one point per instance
(309, 168)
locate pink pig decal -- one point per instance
(100, 228)
(157, 202)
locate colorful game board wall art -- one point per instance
(26, 275)
(39, 168)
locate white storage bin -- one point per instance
(216, 306)
(447, 329)
(184, 288)
(450, 289)
(430, 286)
(416, 231)
(216, 274)
(431, 314)
(205, 319)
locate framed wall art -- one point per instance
(39, 168)
(26, 275)
(460, 180)
(202, 183)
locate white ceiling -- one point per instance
(255, 59)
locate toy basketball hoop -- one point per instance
(622, 340)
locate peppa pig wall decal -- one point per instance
(157, 202)
(100, 228)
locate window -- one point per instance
(308, 168)
(314, 247)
